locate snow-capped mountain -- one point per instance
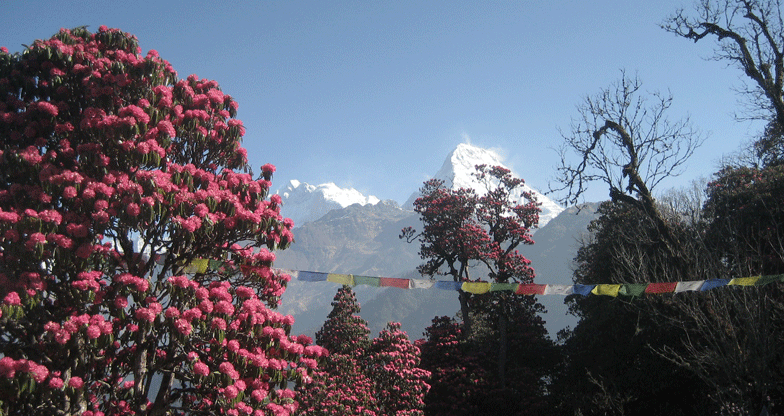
(303, 202)
(457, 172)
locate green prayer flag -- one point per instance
(366, 280)
(764, 280)
(503, 287)
(632, 289)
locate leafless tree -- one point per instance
(624, 139)
(749, 35)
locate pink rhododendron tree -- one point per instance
(470, 236)
(393, 364)
(458, 382)
(134, 244)
(342, 386)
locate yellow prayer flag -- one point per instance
(476, 288)
(197, 266)
(744, 281)
(344, 279)
(606, 290)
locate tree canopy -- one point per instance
(134, 244)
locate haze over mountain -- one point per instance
(342, 231)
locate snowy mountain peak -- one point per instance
(458, 169)
(303, 202)
(459, 166)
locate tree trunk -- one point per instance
(464, 311)
(503, 323)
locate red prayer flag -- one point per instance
(664, 287)
(393, 282)
(530, 289)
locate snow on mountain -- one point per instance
(457, 172)
(303, 202)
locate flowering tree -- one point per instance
(120, 185)
(344, 332)
(393, 364)
(461, 228)
(341, 386)
(458, 383)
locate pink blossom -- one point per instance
(133, 209)
(230, 392)
(12, 299)
(75, 382)
(224, 307)
(200, 369)
(56, 383)
(191, 314)
(48, 107)
(218, 323)
(93, 331)
(184, 327)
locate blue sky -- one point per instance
(374, 95)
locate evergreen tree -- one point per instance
(342, 385)
(393, 364)
(458, 383)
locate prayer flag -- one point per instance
(530, 289)
(661, 287)
(503, 287)
(476, 288)
(448, 285)
(764, 280)
(217, 265)
(559, 290)
(197, 266)
(632, 289)
(744, 281)
(606, 290)
(366, 280)
(343, 279)
(312, 276)
(713, 283)
(420, 283)
(393, 282)
(691, 285)
(584, 290)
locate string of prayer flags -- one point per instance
(199, 266)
